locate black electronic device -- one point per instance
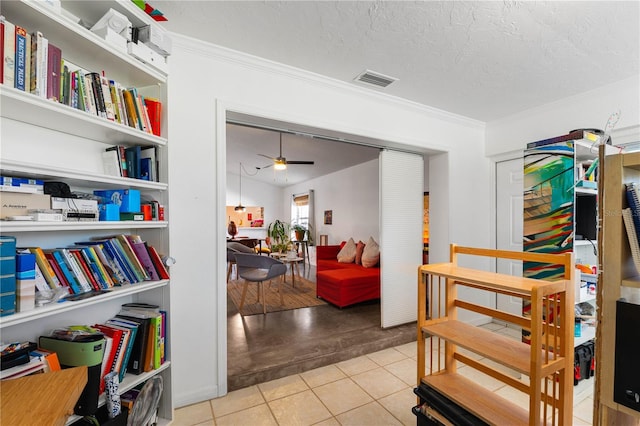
(585, 217)
(626, 381)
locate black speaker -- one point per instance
(626, 381)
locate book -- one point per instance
(136, 264)
(111, 163)
(152, 354)
(132, 327)
(92, 253)
(163, 353)
(136, 361)
(51, 359)
(89, 99)
(2, 49)
(92, 266)
(36, 364)
(148, 164)
(45, 267)
(69, 276)
(108, 356)
(61, 277)
(109, 263)
(39, 52)
(142, 254)
(106, 98)
(76, 270)
(96, 86)
(116, 355)
(124, 171)
(85, 268)
(20, 58)
(632, 236)
(54, 65)
(130, 109)
(154, 109)
(8, 60)
(132, 155)
(158, 263)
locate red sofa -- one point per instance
(344, 284)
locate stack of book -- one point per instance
(100, 264)
(135, 340)
(32, 63)
(137, 162)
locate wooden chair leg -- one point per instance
(264, 301)
(280, 291)
(229, 270)
(244, 293)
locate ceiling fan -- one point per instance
(279, 162)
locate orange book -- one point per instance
(154, 108)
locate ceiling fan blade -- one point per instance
(300, 162)
(265, 167)
(266, 156)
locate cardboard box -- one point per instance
(19, 204)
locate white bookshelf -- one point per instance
(46, 140)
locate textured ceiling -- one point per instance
(481, 59)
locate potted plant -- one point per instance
(299, 230)
(279, 232)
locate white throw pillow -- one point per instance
(371, 254)
(348, 253)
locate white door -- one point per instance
(509, 222)
(401, 196)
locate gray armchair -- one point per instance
(256, 268)
(232, 249)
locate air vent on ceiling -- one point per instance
(377, 79)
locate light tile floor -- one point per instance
(374, 389)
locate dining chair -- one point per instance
(258, 269)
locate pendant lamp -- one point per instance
(240, 207)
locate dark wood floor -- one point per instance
(261, 348)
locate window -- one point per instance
(300, 210)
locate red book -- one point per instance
(116, 346)
(86, 269)
(154, 109)
(54, 65)
(56, 268)
(157, 262)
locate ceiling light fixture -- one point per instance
(240, 207)
(280, 164)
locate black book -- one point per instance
(136, 361)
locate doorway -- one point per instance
(305, 318)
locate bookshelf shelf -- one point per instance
(28, 108)
(546, 361)
(81, 226)
(57, 308)
(76, 177)
(82, 45)
(130, 381)
(47, 140)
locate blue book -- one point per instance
(21, 58)
(71, 279)
(117, 257)
(133, 156)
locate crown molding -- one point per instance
(199, 47)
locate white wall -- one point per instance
(205, 82)
(352, 195)
(587, 110)
(256, 193)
